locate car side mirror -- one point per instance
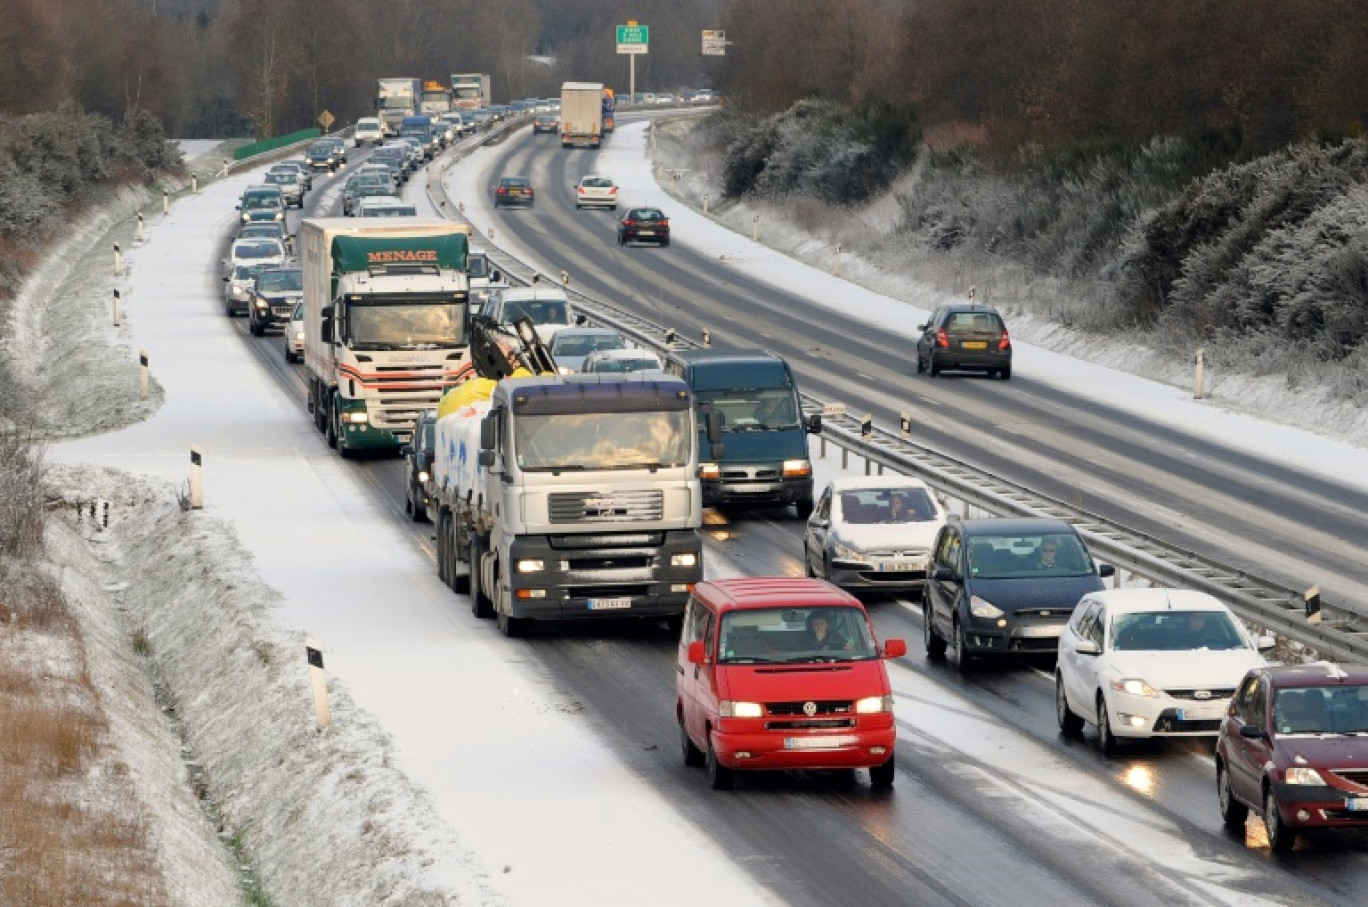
(581, 319)
(406, 450)
(942, 574)
(486, 458)
(921, 327)
(1251, 732)
(1267, 641)
(894, 648)
(696, 655)
(713, 425)
(1106, 570)
(814, 424)
(1087, 647)
(820, 522)
(495, 276)
(225, 278)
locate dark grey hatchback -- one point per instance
(1004, 586)
(965, 336)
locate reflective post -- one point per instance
(196, 479)
(836, 262)
(755, 228)
(707, 337)
(138, 234)
(142, 372)
(118, 262)
(117, 313)
(314, 655)
(705, 203)
(1199, 376)
(166, 202)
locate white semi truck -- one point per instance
(386, 316)
(562, 497)
(581, 114)
(394, 100)
(470, 91)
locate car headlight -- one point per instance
(423, 475)
(709, 471)
(729, 709)
(983, 608)
(846, 552)
(262, 305)
(871, 705)
(684, 560)
(299, 335)
(1134, 686)
(239, 292)
(1301, 775)
(359, 417)
(531, 565)
(797, 468)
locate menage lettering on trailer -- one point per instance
(401, 255)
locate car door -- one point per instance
(1085, 675)
(1245, 756)
(927, 338)
(1076, 670)
(815, 539)
(698, 621)
(942, 593)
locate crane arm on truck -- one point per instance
(497, 351)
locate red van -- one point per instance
(783, 673)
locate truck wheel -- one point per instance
(511, 627)
(330, 425)
(480, 605)
(319, 415)
(443, 567)
(340, 436)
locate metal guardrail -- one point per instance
(1342, 633)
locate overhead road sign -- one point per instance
(633, 38)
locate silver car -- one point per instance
(294, 334)
(873, 532)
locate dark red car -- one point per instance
(644, 225)
(1294, 749)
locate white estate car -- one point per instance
(294, 335)
(1150, 663)
(596, 192)
(859, 536)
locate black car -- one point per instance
(546, 122)
(322, 156)
(396, 159)
(644, 225)
(418, 466)
(273, 298)
(1004, 586)
(513, 190)
(965, 336)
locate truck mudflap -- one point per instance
(604, 575)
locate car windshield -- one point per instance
(291, 281)
(596, 182)
(795, 635)
(1017, 556)
(388, 325)
(1174, 631)
(514, 183)
(282, 177)
(861, 506)
(1338, 709)
(586, 441)
(583, 344)
(320, 150)
(753, 409)
(261, 200)
(538, 311)
(247, 272)
(984, 322)
(621, 365)
(388, 211)
(646, 214)
(248, 250)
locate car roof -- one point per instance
(1316, 674)
(965, 307)
(750, 592)
(625, 352)
(1130, 601)
(859, 483)
(588, 332)
(520, 294)
(1012, 526)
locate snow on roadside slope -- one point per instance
(502, 757)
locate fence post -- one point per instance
(314, 654)
(196, 479)
(1199, 376)
(166, 202)
(118, 260)
(116, 308)
(138, 233)
(142, 372)
(755, 228)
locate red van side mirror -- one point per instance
(696, 656)
(895, 648)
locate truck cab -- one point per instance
(751, 398)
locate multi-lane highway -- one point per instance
(991, 805)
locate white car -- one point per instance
(596, 192)
(1150, 663)
(546, 307)
(368, 131)
(256, 251)
(622, 362)
(384, 206)
(294, 334)
(873, 532)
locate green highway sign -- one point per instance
(633, 38)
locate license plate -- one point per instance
(898, 566)
(609, 604)
(819, 743)
(975, 344)
(1205, 713)
(1040, 630)
(1356, 804)
(754, 489)
(645, 233)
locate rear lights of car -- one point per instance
(1004, 342)
(942, 340)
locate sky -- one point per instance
(291, 544)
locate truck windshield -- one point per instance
(405, 325)
(587, 441)
(754, 409)
(393, 103)
(768, 635)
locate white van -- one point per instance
(368, 132)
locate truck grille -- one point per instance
(612, 507)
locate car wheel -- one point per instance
(956, 650)
(935, 646)
(1106, 741)
(1281, 838)
(1005, 373)
(719, 776)
(921, 364)
(578, 206)
(665, 243)
(693, 756)
(933, 366)
(480, 605)
(1233, 813)
(256, 329)
(803, 507)
(621, 241)
(289, 354)
(881, 776)
(1070, 724)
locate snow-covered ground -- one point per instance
(455, 770)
